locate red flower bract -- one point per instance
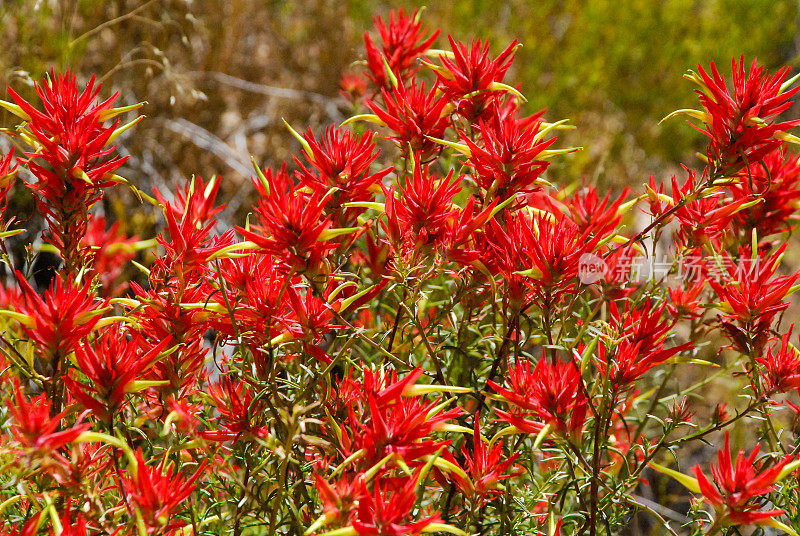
(112, 363)
(160, 495)
(403, 42)
(414, 115)
(35, 428)
(290, 223)
(385, 512)
(551, 393)
(743, 126)
(466, 78)
(738, 487)
(70, 159)
(419, 215)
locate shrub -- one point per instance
(422, 337)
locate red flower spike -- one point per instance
(196, 203)
(340, 500)
(71, 135)
(685, 303)
(158, 494)
(386, 511)
(290, 223)
(743, 126)
(781, 366)
(403, 41)
(637, 344)
(71, 160)
(341, 161)
(775, 182)
(736, 488)
(508, 160)
(402, 427)
(34, 428)
(550, 393)
(161, 317)
(414, 115)
(590, 213)
(539, 256)
(241, 415)
(467, 78)
(384, 419)
(255, 290)
(189, 247)
(751, 295)
(702, 221)
(418, 217)
(462, 241)
(486, 468)
(644, 325)
(112, 363)
(60, 318)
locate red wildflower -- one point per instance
(418, 217)
(590, 213)
(159, 495)
(71, 158)
(71, 138)
(290, 223)
(540, 253)
(414, 115)
(743, 127)
(624, 362)
(774, 182)
(751, 295)
(242, 416)
(470, 77)
(781, 366)
(341, 162)
(403, 42)
(196, 203)
(340, 500)
(190, 245)
(737, 489)
(685, 302)
(551, 393)
(463, 245)
(401, 427)
(60, 318)
(74, 525)
(112, 363)
(510, 159)
(33, 426)
(28, 529)
(385, 512)
(161, 316)
(702, 221)
(644, 325)
(636, 343)
(486, 468)
(310, 320)
(384, 419)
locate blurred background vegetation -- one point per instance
(219, 75)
